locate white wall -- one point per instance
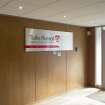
(103, 59)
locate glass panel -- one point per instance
(98, 59)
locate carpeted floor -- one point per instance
(77, 97)
(99, 96)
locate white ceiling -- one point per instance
(78, 12)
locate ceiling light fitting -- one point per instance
(20, 7)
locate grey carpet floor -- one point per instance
(99, 96)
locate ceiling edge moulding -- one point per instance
(52, 22)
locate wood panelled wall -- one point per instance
(28, 77)
(91, 57)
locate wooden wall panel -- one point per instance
(91, 58)
(28, 77)
(41, 75)
(76, 61)
(56, 74)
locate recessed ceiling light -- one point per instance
(20, 7)
(64, 16)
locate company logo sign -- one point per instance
(54, 38)
(47, 40)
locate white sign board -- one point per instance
(47, 40)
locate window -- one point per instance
(98, 55)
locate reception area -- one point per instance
(52, 52)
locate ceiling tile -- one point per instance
(81, 13)
(4, 2)
(28, 6)
(78, 12)
(60, 7)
